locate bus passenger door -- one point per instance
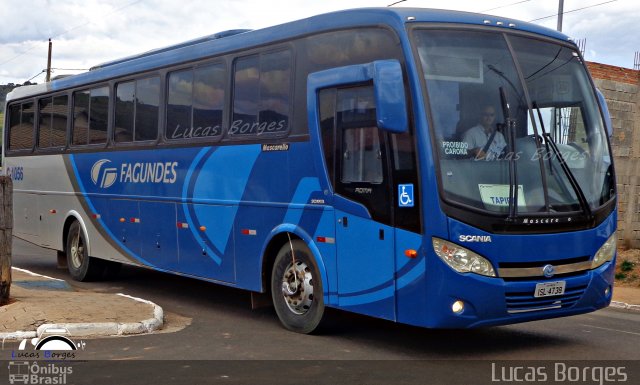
(356, 156)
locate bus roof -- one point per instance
(234, 40)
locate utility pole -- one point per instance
(560, 12)
(48, 79)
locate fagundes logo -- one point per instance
(102, 175)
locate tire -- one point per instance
(297, 298)
(81, 266)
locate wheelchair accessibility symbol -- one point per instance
(405, 195)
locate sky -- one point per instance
(89, 32)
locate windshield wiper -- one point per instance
(510, 125)
(550, 143)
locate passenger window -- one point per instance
(125, 95)
(21, 121)
(362, 155)
(137, 106)
(196, 103)
(361, 151)
(99, 112)
(90, 116)
(261, 97)
(147, 107)
(52, 128)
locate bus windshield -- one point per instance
(516, 123)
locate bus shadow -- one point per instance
(506, 342)
(375, 334)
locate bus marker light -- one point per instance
(122, 220)
(182, 225)
(203, 228)
(135, 220)
(411, 253)
(96, 216)
(248, 232)
(457, 307)
(52, 211)
(326, 240)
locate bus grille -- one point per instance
(519, 302)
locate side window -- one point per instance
(90, 116)
(21, 121)
(137, 108)
(361, 150)
(261, 95)
(327, 105)
(147, 107)
(125, 96)
(195, 102)
(44, 123)
(361, 157)
(52, 128)
(99, 112)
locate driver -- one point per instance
(484, 141)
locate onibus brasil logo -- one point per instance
(55, 347)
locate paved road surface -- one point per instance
(223, 327)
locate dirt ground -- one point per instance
(628, 268)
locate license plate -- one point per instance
(549, 289)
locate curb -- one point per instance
(105, 329)
(626, 306)
(95, 329)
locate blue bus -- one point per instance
(429, 167)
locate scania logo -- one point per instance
(475, 238)
(548, 271)
(102, 175)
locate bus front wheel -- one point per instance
(296, 288)
(80, 265)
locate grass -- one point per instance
(628, 268)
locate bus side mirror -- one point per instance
(391, 104)
(605, 113)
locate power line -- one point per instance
(36, 75)
(573, 10)
(66, 31)
(504, 6)
(71, 69)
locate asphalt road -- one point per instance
(211, 322)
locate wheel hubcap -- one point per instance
(77, 251)
(297, 287)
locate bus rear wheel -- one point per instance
(296, 288)
(80, 265)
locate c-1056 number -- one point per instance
(16, 173)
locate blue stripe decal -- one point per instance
(104, 227)
(187, 207)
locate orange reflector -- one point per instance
(411, 253)
(203, 228)
(122, 220)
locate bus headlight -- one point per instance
(605, 253)
(462, 260)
